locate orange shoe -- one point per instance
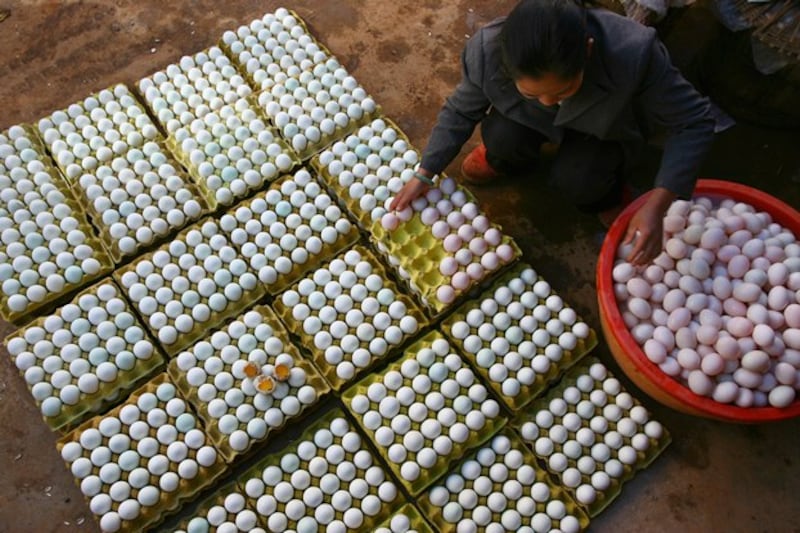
(476, 170)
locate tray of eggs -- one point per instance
(189, 285)
(118, 164)
(273, 48)
(141, 460)
(366, 168)
(288, 230)
(247, 381)
(317, 107)
(326, 480)
(214, 129)
(349, 315)
(592, 434)
(47, 245)
(443, 245)
(502, 487)
(425, 410)
(83, 356)
(519, 335)
(226, 510)
(407, 519)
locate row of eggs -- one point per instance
(230, 516)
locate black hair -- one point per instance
(542, 37)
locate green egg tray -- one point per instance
(168, 502)
(216, 317)
(417, 523)
(202, 509)
(644, 459)
(275, 460)
(318, 356)
(107, 393)
(99, 250)
(434, 512)
(542, 381)
(427, 475)
(220, 440)
(314, 261)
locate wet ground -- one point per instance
(714, 477)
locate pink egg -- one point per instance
(478, 246)
(448, 266)
(470, 210)
(464, 257)
(455, 219)
(490, 261)
(440, 229)
(452, 243)
(480, 223)
(460, 281)
(475, 271)
(429, 215)
(505, 252)
(445, 294)
(466, 232)
(390, 222)
(493, 236)
(419, 203)
(792, 315)
(433, 195)
(406, 214)
(444, 206)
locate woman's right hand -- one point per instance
(410, 191)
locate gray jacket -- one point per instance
(630, 90)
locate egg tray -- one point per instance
(99, 250)
(435, 513)
(269, 79)
(643, 458)
(407, 514)
(184, 339)
(328, 370)
(427, 474)
(214, 507)
(107, 393)
(542, 380)
(327, 250)
(262, 485)
(187, 489)
(221, 440)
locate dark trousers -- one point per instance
(588, 171)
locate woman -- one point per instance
(597, 84)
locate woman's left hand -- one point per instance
(645, 229)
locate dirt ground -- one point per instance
(714, 477)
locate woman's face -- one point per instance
(549, 89)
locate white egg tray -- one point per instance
(349, 315)
(224, 511)
(443, 246)
(407, 519)
(118, 165)
(220, 376)
(592, 434)
(327, 480)
(141, 460)
(318, 107)
(368, 167)
(519, 335)
(424, 411)
(47, 246)
(273, 48)
(288, 230)
(501, 487)
(189, 285)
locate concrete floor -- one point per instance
(715, 477)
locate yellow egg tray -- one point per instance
(277, 331)
(328, 250)
(429, 474)
(407, 513)
(318, 355)
(527, 393)
(212, 509)
(106, 393)
(168, 503)
(435, 512)
(272, 473)
(644, 458)
(99, 250)
(184, 339)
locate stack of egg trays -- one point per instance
(145, 491)
(214, 128)
(287, 304)
(429, 361)
(317, 107)
(305, 218)
(105, 136)
(366, 168)
(24, 160)
(54, 367)
(226, 509)
(523, 471)
(230, 361)
(273, 48)
(153, 299)
(332, 446)
(407, 519)
(593, 396)
(536, 305)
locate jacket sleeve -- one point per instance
(670, 102)
(462, 111)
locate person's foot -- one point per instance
(476, 169)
